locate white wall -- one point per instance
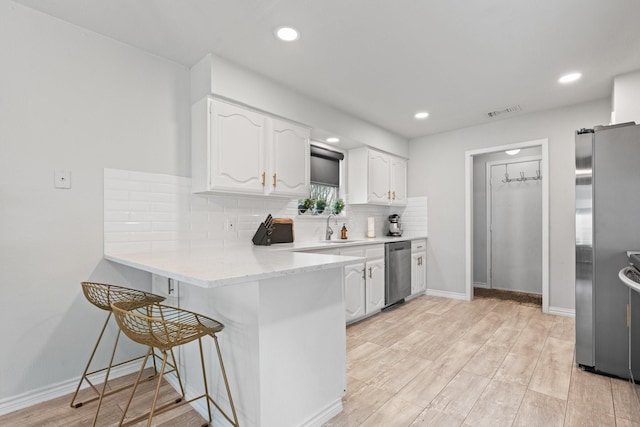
(626, 98)
(437, 170)
(221, 77)
(74, 100)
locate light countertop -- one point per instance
(215, 267)
(308, 246)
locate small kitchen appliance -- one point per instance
(395, 226)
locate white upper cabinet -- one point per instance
(289, 159)
(398, 185)
(238, 150)
(377, 178)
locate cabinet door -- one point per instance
(354, 291)
(398, 181)
(237, 150)
(378, 191)
(289, 172)
(167, 288)
(418, 272)
(375, 285)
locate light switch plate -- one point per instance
(62, 179)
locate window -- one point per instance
(325, 179)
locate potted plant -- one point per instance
(305, 205)
(338, 206)
(320, 205)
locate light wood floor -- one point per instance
(435, 362)
(441, 362)
(58, 413)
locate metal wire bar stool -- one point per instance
(164, 327)
(102, 296)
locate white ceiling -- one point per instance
(383, 60)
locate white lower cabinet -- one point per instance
(418, 266)
(364, 282)
(374, 285)
(354, 291)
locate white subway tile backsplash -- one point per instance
(128, 247)
(117, 216)
(126, 226)
(111, 194)
(116, 236)
(144, 210)
(163, 207)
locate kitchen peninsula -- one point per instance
(284, 338)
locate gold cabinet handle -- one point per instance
(370, 275)
(628, 316)
(394, 195)
(364, 274)
(389, 194)
(264, 175)
(274, 180)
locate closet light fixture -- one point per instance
(513, 152)
(287, 34)
(421, 115)
(332, 140)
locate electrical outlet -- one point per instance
(230, 224)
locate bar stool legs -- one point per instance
(102, 295)
(165, 327)
(86, 373)
(226, 384)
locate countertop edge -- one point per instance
(205, 283)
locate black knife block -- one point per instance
(262, 236)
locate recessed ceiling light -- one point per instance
(568, 78)
(333, 139)
(287, 34)
(421, 115)
(513, 152)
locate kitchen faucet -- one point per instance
(329, 231)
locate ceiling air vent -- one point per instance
(513, 109)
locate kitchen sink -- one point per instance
(340, 241)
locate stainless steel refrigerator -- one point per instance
(607, 225)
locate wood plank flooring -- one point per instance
(433, 362)
(58, 413)
(441, 362)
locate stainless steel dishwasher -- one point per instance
(397, 259)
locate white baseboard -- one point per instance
(562, 311)
(42, 394)
(480, 285)
(446, 294)
(325, 415)
(416, 295)
(200, 406)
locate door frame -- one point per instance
(489, 212)
(544, 144)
